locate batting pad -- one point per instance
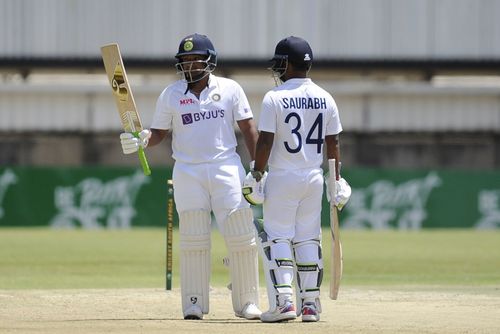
(274, 288)
(194, 227)
(309, 266)
(281, 271)
(240, 237)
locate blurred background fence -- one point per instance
(121, 197)
(417, 83)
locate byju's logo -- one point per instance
(202, 116)
(187, 119)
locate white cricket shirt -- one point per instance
(202, 129)
(300, 114)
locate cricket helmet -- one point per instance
(196, 44)
(294, 50)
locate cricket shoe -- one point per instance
(250, 312)
(193, 312)
(280, 313)
(310, 313)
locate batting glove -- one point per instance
(342, 193)
(131, 144)
(253, 190)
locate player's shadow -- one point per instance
(205, 321)
(225, 321)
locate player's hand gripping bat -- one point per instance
(127, 109)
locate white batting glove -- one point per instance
(253, 190)
(131, 144)
(342, 193)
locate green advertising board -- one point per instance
(400, 199)
(82, 197)
(93, 197)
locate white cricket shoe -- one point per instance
(310, 312)
(250, 312)
(193, 313)
(280, 313)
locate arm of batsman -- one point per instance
(253, 191)
(131, 144)
(342, 192)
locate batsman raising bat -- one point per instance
(135, 137)
(200, 111)
(297, 118)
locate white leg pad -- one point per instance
(194, 227)
(240, 236)
(309, 271)
(281, 270)
(272, 266)
(264, 246)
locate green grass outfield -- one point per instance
(41, 258)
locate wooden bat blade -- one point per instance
(122, 93)
(129, 116)
(336, 248)
(336, 252)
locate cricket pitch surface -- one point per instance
(358, 310)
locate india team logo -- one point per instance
(187, 119)
(216, 97)
(188, 46)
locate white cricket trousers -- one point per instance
(214, 186)
(292, 208)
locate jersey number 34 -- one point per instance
(314, 136)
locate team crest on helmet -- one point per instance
(307, 57)
(216, 97)
(188, 45)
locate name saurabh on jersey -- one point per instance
(303, 103)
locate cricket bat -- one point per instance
(336, 251)
(127, 109)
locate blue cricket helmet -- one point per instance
(196, 44)
(295, 49)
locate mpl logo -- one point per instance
(184, 102)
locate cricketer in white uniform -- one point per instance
(297, 118)
(201, 110)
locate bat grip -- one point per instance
(142, 157)
(144, 162)
(332, 170)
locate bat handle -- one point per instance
(142, 157)
(144, 162)
(332, 168)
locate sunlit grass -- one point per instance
(44, 258)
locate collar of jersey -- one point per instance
(298, 80)
(208, 84)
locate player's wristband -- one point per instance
(257, 174)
